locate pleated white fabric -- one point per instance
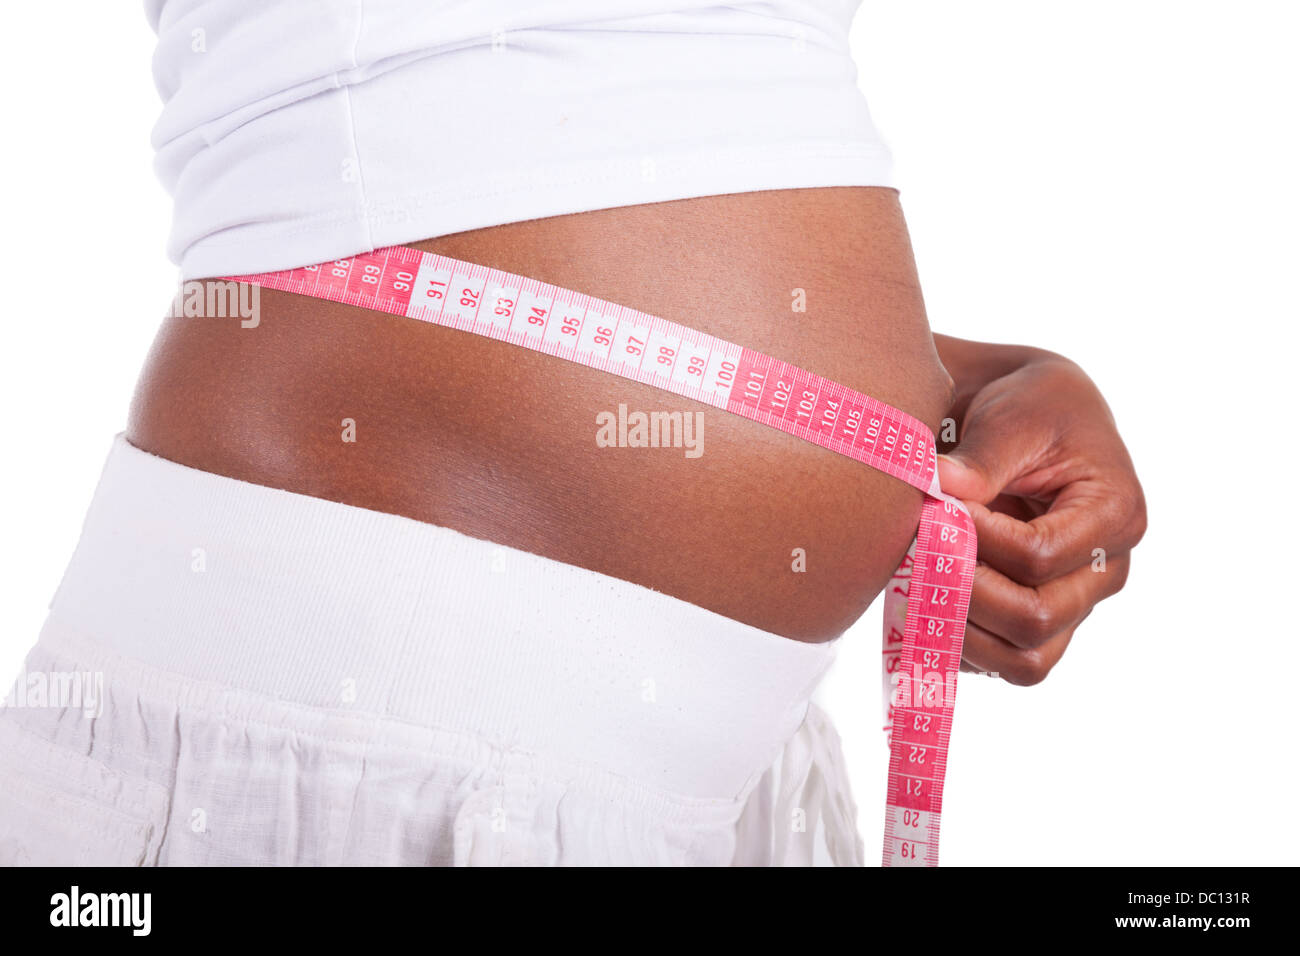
(232, 674)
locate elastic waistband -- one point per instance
(325, 605)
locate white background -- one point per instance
(1116, 181)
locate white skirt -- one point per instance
(232, 674)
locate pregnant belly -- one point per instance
(536, 453)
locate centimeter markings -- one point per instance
(938, 586)
(922, 659)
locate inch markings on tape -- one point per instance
(927, 600)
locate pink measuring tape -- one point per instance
(925, 608)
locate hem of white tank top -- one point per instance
(413, 215)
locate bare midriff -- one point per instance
(501, 443)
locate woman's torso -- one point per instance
(449, 428)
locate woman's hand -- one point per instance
(1056, 502)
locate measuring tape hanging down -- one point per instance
(925, 608)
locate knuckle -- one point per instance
(1138, 523)
(1028, 669)
(1120, 576)
(1039, 624)
(1041, 557)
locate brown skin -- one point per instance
(1048, 481)
(499, 442)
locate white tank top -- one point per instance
(299, 131)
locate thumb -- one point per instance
(986, 461)
(961, 480)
